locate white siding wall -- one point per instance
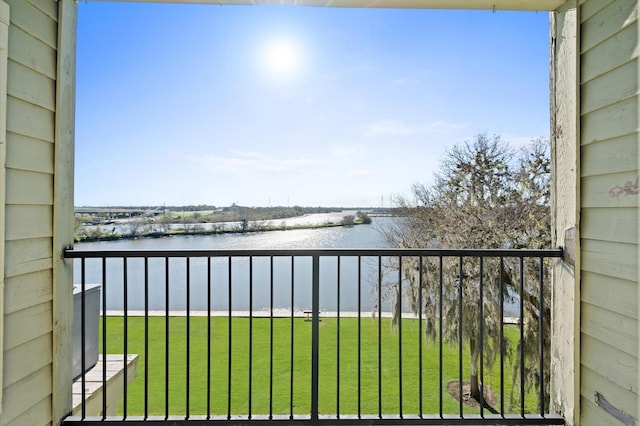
(28, 252)
(609, 214)
(4, 47)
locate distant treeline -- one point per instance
(208, 207)
(204, 213)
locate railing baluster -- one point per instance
(359, 336)
(125, 336)
(104, 338)
(502, 346)
(250, 396)
(270, 337)
(188, 338)
(229, 342)
(522, 301)
(541, 317)
(83, 337)
(315, 336)
(146, 337)
(166, 338)
(400, 335)
(460, 282)
(481, 318)
(338, 338)
(209, 285)
(420, 302)
(292, 338)
(379, 337)
(440, 331)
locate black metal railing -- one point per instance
(326, 336)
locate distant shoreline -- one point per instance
(204, 232)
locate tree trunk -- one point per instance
(474, 382)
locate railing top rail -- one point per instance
(310, 252)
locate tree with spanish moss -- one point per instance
(485, 195)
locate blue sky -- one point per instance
(276, 105)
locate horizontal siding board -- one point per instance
(34, 22)
(31, 86)
(20, 397)
(592, 415)
(617, 331)
(25, 187)
(28, 256)
(592, 382)
(611, 156)
(40, 414)
(614, 259)
(613, 121)
(27, 358)
(28, 221)
(26, 325)
(29, 119)
(614, 86)
(31, 52)
(621, 295)
(616, 366)
(608, 21)
(20, 154)
(609, 190)
(27, 290)
(591, 7)
(610, 54)
(619, 224)
(50, 7)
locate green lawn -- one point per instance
(260, 372)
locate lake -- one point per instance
(279, 283)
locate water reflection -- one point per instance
(241, 284)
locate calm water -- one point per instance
(291, 279)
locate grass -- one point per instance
(277, 375)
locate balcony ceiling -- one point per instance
(532, 5)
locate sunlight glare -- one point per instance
(282, 58)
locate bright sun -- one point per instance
(282, 58)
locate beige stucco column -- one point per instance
(565, 321)
(63, 209)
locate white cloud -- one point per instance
(359, 172)
(390, 127)
(445, 127)
(346, 152)
(518, 141)
(352, 70)
(243, 163)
